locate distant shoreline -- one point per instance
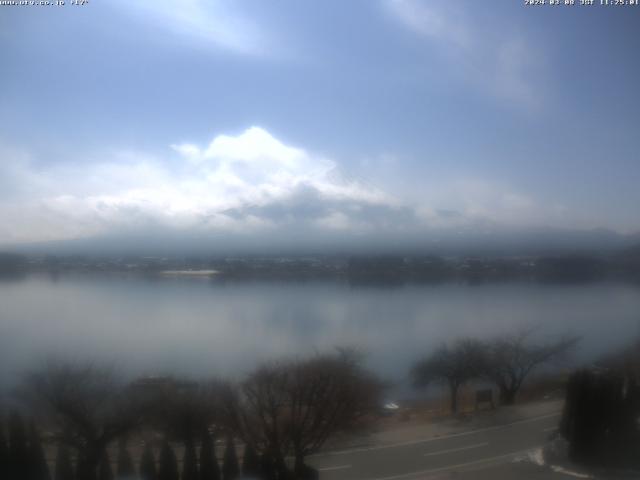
(190, 273)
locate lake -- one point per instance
(202, 327)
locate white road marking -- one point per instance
(434, 439)
(452, 467)
(459, 449)
(552, 429)
(569, 472)
(329, 469)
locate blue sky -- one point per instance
(330, 117)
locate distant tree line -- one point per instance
(278, 415)
(12, 263)
(387, 270)
(506, 361)
(428, 269)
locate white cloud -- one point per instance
(498, 61)
(468, 202)
(237, 183)
(427, 20)
(189, 151)
(247, 183)
(217, 23)
(514, 64)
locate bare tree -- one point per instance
(182, 409)
(327, 394)
(88, 407)
(451, 365)
(511, 358)
(257, 411)
(294, 407)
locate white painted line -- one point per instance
(434, 439)
(453, 467)
(552, 429)
(329, 469)
(459, 449)
(569, 472)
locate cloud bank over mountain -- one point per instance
(246, 184)
(249, 190)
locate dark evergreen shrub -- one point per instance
(125, 462)
(148, 464)
(305, 472)
(85, 468)
(4, 452)
(168, 468)
(230, 466)
(189, 462)
(268, 468)
(250, 462)
(18, 449)
(105, 472)
(209, 469)
(600, 419)
(38, 468)
(63, 467)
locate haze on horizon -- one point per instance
(250, 123)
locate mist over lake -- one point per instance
(201, 327)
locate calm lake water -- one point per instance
(205, 328)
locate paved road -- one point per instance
(491, 450)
